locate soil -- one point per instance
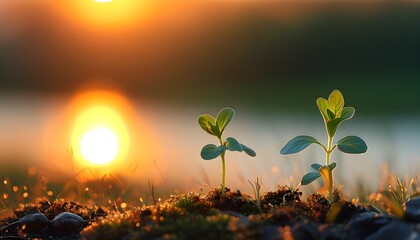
(210, 216)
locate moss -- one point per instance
(319, 206)
(284, 196)
(192, 203)
(233, 201)
(194, 216)
(165, 220)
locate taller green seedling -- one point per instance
(216, 127)
(333, 113)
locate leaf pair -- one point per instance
(211, 151)
(331, 108)
(324, 171)
(233, 145)
(349, 144)
(216, 126)
(333, 111)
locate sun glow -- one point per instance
(105, 13)
(102, 130)
(100, 135)
(99, 145)
(100, 124)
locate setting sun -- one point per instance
(99, 145)
(101, 128)
(100, 135)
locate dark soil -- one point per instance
(196, 216)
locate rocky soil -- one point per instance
(197, 216)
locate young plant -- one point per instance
(333, 113)
(256, 186)
(216, 127)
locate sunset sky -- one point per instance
(158, 65)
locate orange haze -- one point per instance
(90, 108)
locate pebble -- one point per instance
(412, 211)
(34, 223)
(67, 223)
(364, 224)
(395, 230)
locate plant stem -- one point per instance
(223, 169)
(223, 174)
(331, 179)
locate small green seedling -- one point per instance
(216, 127)
(333, 113)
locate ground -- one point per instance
(284, 215)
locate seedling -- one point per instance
(256, 186)
(333, 113)
(216, 127)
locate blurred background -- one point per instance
(171, 61)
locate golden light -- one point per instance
(101, 130)
(99, 125)
(105, 13)
(100, 135)
(99, 145)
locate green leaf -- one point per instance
(216, 131)
(332, 125)
(297, 144)
(347, 113)
(211, 151)
(336, 102)
(233, 145)
(332, 166)
(341, 113)
(322, 104)
(325, 172)
(206, 122)
(224, 117)
(333, 111)
(316, 166)
(248, 151)
(352, 145)
(331, 115)
(310, 177)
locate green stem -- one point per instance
(223, 170)
(223, 174)
(331, 179)
(328, 152)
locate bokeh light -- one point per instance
(99, 145)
